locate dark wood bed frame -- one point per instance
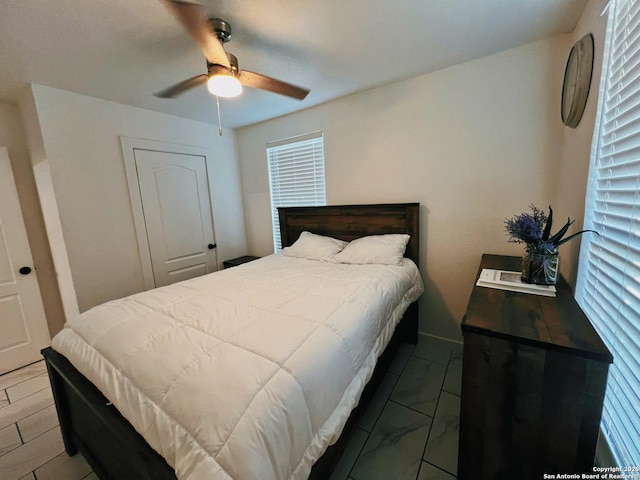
(111, 446)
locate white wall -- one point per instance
(81, 141)
(474, 144)
(573, 166)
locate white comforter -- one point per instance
(248, 373)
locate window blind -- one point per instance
(608, 287)
(296, 176)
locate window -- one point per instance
(608, 287)
(296, 176)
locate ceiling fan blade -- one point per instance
(180, 88)
(257, 80)
(192, 17)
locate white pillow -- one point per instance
(315, 247)
(380, 249)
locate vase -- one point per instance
(540, 269)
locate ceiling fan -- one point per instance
(223, 78)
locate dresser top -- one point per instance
(549, 322)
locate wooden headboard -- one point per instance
(348, 222)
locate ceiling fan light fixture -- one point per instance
(224, 85)
(223, 77)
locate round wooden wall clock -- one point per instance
(577, 80)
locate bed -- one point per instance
(93, 425)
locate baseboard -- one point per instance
(442, 339)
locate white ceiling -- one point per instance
(124, 50)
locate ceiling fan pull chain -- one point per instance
(219, 121)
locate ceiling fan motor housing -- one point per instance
(233, 60)
(222, 29)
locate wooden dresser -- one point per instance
(533, 381)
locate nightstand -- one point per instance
(234, 262)
(533, 380)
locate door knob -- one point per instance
(211, 246)
(25, 270)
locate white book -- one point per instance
(504, 280)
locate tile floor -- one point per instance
(30, 441)
(410, 430)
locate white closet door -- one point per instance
(175, 195)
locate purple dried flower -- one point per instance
(534, 229)
(527, 228)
